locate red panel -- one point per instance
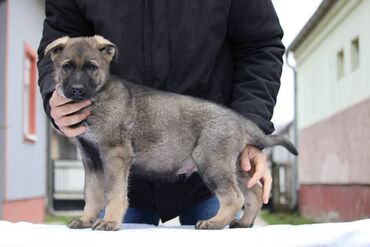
(335, 202)
(31, 55)
(31, 210)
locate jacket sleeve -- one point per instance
(63, 18)
(255, 37)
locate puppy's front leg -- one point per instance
(94, 194)
(117, 161)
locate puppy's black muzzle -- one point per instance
(78, 91)
(79, 86)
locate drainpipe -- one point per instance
(294, 195)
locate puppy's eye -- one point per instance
(67, 67)
(92, 67)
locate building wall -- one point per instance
(334, 116)
(326, 101)
(2, 97)
(335, 202)
(320, 93)
(26, 162)
(334, 151)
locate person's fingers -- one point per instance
(255, 178)
(61, 108)
(72, 119)
(260, 159)
(244, 160)
(57, 100)
(74, 107)
(260, 162)
(72, 132)
(67, 109)
(267, 184)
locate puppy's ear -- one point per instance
(108, 49)
(55, 47)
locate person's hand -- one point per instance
(254, 161)
(64, 113)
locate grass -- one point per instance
(284, 218)
(58, 219)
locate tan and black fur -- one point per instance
(157, 132)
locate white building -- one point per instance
(23, 142)
(332, 55)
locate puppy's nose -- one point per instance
(77, 91)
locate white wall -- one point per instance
(320, 93)
(2, 88)
(26, 163)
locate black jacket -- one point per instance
(226, 51)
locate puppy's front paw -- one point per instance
(104, 225)
(80, 223)
(208, 225)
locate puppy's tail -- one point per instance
(257, 137)
(277, 140)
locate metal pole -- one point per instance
(295, 184)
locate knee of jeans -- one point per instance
(202, 211)
(141, 216)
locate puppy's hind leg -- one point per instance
(222, 180)
(252, 202)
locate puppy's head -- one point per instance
(81, 65)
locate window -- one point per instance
(355, 53)
(340, 64)
(29, 94)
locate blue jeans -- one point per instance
(202, 211)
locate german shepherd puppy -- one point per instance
(157, 132)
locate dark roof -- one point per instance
(315, 19)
